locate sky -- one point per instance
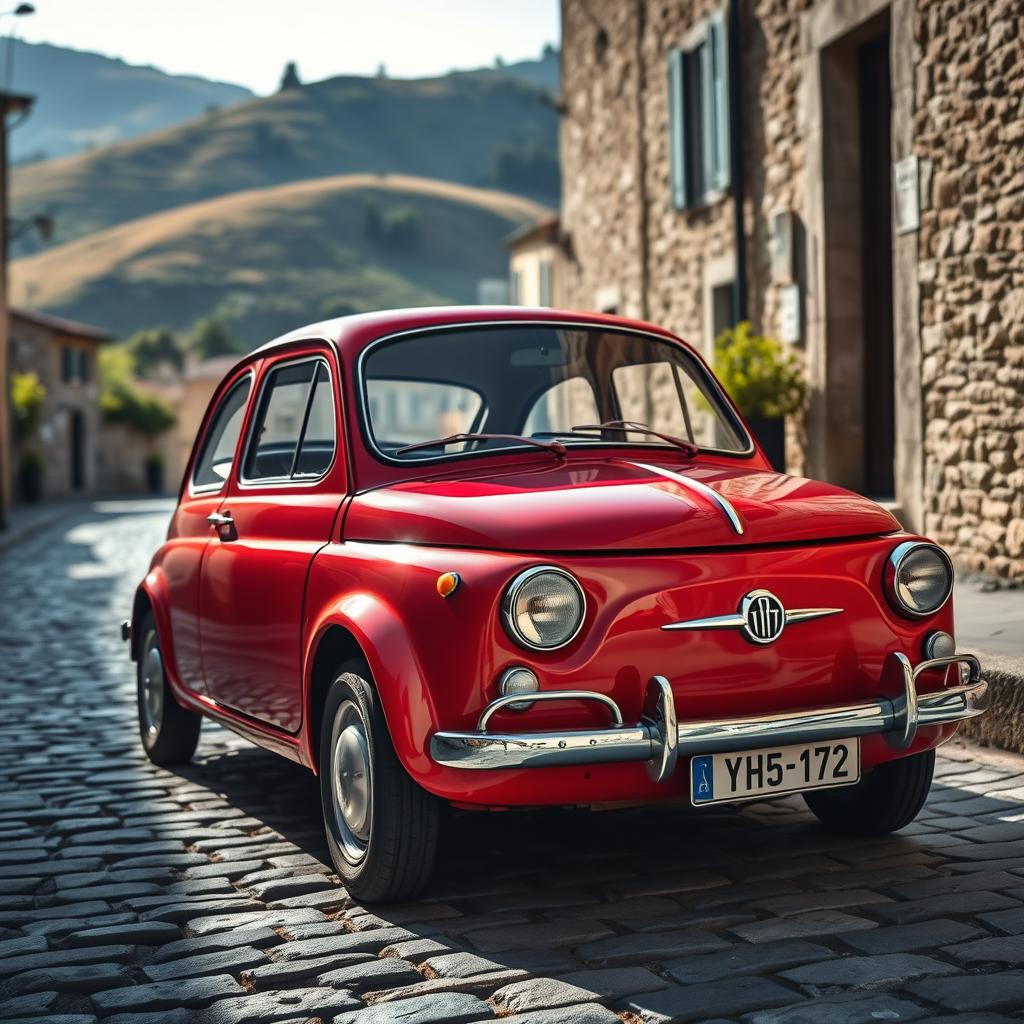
(248, 42)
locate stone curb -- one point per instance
(1003, 724)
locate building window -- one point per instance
(74, 365)
(698, 90)
(515, 288)
(545, 282)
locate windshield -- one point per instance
(542, 382)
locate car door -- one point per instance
(202, 494)
(282, 500)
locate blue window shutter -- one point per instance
(677, 128)
(717, 84)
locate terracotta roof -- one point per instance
(545, 227)
(56, 323)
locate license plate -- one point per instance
(720, 778)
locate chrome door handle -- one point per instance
(216, 519)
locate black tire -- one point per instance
(168, 731)
(888, 798)
(382, 833)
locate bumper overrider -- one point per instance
(659, 738)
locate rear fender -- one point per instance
(397, 675)
(152, 593)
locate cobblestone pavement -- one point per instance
(129, 893)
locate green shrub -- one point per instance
(121, 401)
(761, 377)
(27, 397)
(156, 347)
(210, 337)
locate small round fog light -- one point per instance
(518, 680)
(939, 645)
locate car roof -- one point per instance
(350, 334)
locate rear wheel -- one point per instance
(381, 827)
(169, 732)
(888, 798)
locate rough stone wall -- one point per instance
(969, 132)
(599, 144)
(604, 210)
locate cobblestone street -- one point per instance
(134, 894)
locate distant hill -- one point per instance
(477, 128)
(545, 72)
(86, 100)
(274, 258)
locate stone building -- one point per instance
(62, 353)
(848, 175)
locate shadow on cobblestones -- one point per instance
(137, 895)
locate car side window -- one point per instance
(293, 434)
(218, 451)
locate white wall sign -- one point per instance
(906, 205)
(789, 313)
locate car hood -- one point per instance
(619, 504)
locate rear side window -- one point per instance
(293, 435)
(218, 450)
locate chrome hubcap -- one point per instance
(352, 784)
(152, 703)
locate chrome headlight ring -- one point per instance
(895, 582)
(519, 587)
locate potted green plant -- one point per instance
(27, 397)
(765, 381)
(30, 477)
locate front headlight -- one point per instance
(918, 578)
(543, 608)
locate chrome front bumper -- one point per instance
(659, 739)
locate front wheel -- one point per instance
(888, 798)
(169, 732)
(381, 827)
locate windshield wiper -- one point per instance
(556, 447)
(626, 427)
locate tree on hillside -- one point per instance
(154, 348)
(210, 338)
(122, 402)
(290, 78)
(525, 167)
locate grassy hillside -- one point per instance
(275, 258)
(86, 100)
(481, 130)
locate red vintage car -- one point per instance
(510, 557)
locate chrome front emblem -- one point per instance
(761, 618)
(764, 618)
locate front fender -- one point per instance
(398, 674)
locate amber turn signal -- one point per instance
(448, 583)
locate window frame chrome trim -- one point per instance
(508, 602)
(248, 483)
(210, 490)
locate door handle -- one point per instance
(218, 520)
